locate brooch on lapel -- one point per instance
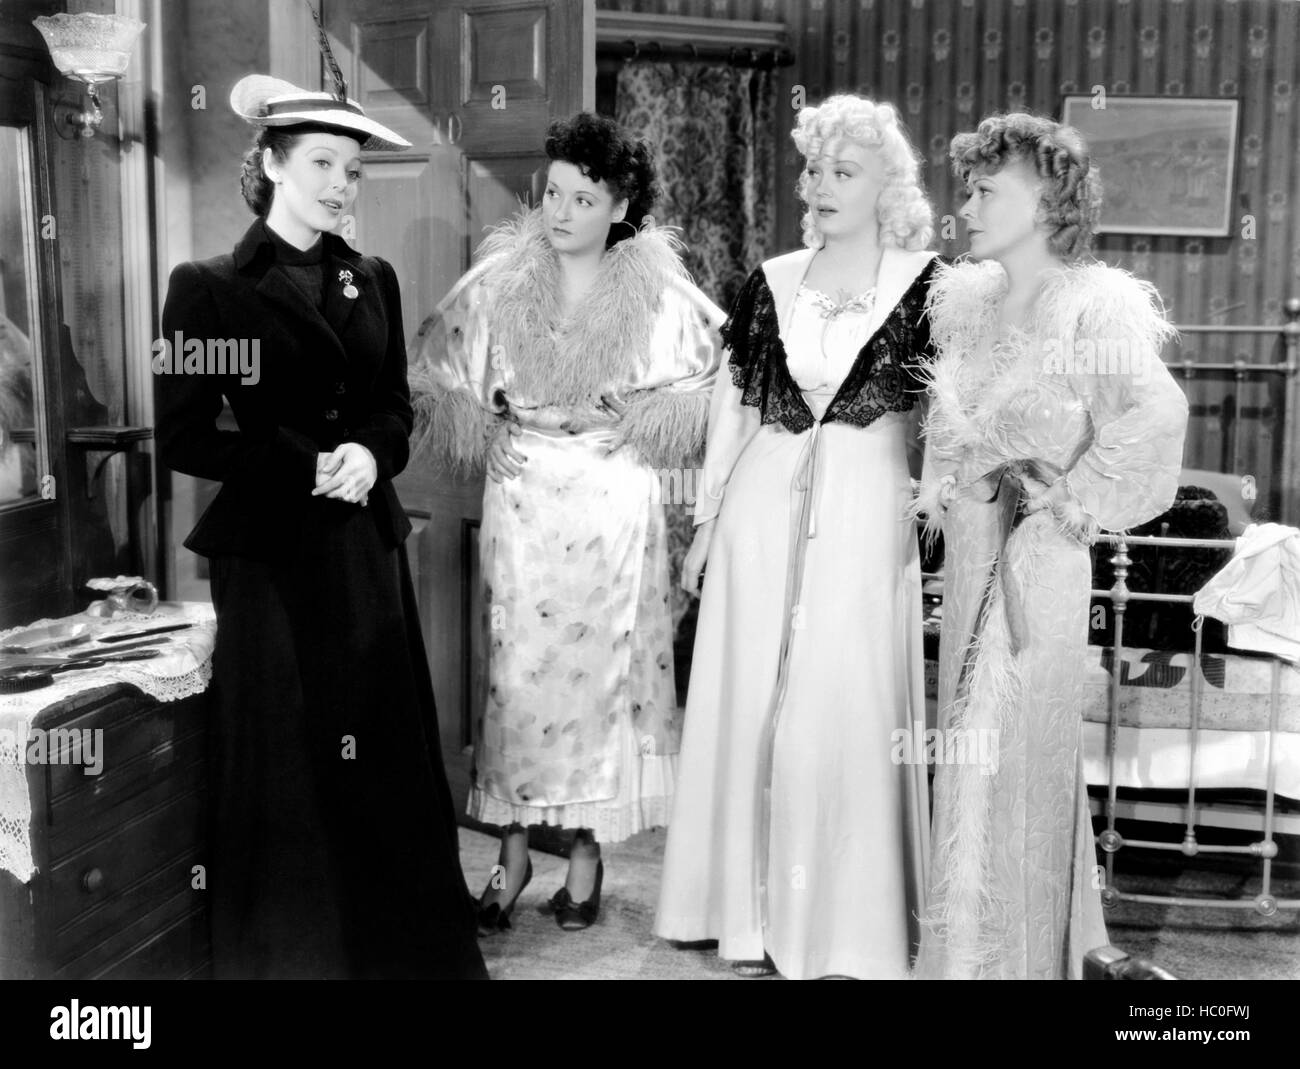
(349, 291)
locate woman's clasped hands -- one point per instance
(347, 474)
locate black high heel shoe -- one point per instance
(496, 918)
(754, 969)
(574, 916)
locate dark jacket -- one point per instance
(323, 379)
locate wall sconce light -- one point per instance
(90, 48)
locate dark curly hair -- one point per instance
(604, 152)
(1071, 201)
(257, 188)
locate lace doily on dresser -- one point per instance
(184, 668)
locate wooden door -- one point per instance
(472, 85)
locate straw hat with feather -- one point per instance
(265, 101)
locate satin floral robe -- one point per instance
(581, 726)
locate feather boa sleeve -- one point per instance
(665, 428)
(1130, 473)
(454, 422)
(667, 412)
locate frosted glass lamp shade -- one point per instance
(90, 47)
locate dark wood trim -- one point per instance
(619, 27)
(111, 438)
(37, 533)
(469, 529)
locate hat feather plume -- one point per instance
(340, 86)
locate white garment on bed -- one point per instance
(1257, 593)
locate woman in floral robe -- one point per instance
(580, 378)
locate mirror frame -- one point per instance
(35, 532)
(30, 221)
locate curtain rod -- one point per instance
(617, 27)
(658, 52)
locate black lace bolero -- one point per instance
(884, 376)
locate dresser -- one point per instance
(118, 887)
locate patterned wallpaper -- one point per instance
(947, 63)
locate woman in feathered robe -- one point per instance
(1051, 416)
(578, 374)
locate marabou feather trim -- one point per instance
(963, 303)
(1100, 303)
(929, 505)
(606, 341)
(1073, 519)
(450, 426)
(962, 306)
(961, 920)
(1085, 302)
(666, 427)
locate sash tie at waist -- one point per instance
(1008, 492)
(805, 477)
(805, 484)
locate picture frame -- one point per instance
(1168, 164)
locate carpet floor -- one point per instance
(1207, 942)
(619, 946)
(1192, 942)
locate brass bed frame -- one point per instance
(1192, 814)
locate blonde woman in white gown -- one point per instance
(797, 842)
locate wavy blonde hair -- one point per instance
(1070, 204)
(906, 218)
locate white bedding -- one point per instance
(1157, 759)
(1154, 749)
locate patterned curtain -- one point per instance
(711, 128)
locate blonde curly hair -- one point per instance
(906, 218)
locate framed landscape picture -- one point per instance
(1167, 163)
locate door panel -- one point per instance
(393, 68)
(472, 84)
(500, 183)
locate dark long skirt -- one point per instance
(334, 850)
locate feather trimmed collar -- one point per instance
(550, 358)
(1086, 297)
(970, 377)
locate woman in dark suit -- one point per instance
(333, 849)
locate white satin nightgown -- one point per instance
(847, 838)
